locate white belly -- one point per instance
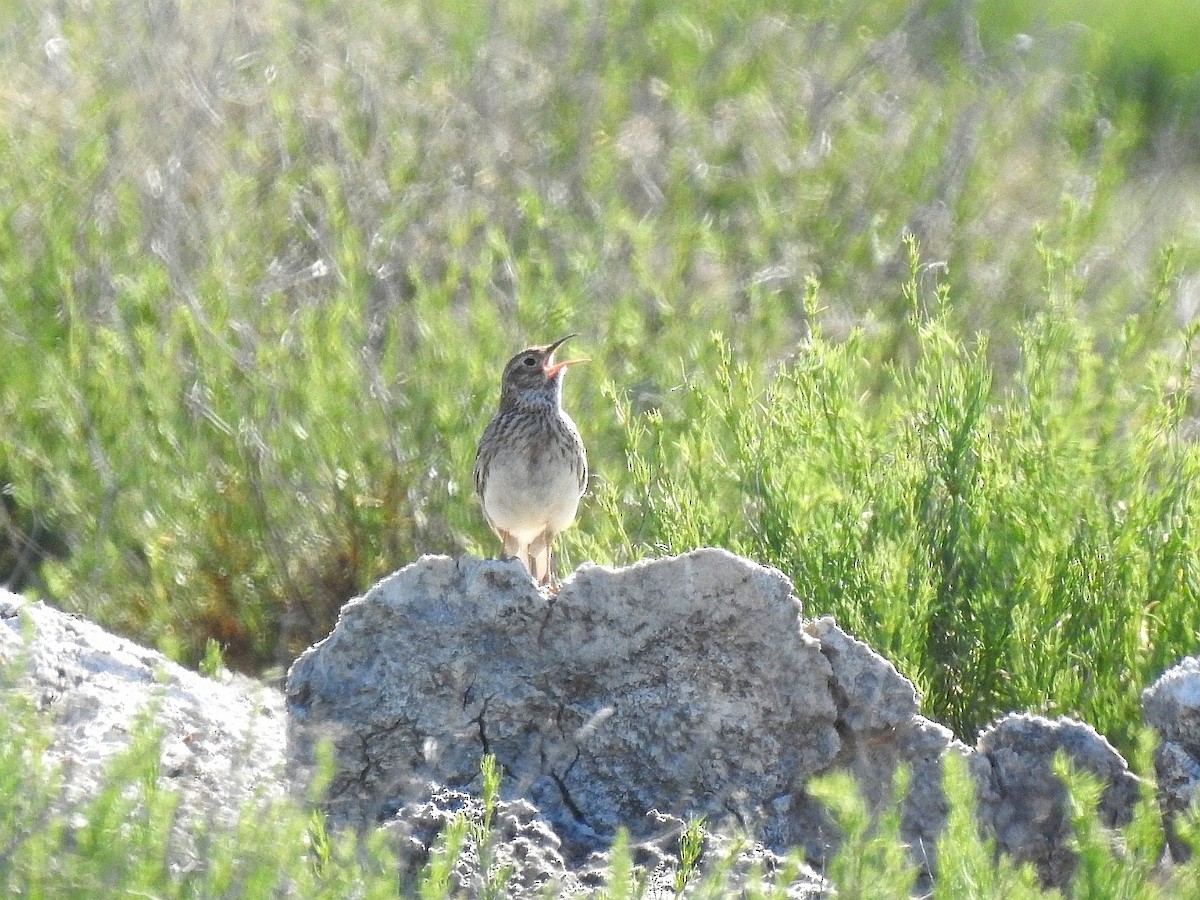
(526, 496)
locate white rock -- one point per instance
(221, 743)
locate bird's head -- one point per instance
(533, 373)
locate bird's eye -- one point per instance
(529, 361)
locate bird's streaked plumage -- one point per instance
(531, 467)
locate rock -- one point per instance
(221, 743)
(730, 865)
(1171, 706)
(520, 848)
(872, 697)
(880, 731)
(1023, 802)
(684, 685)
(519, 856)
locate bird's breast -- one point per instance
(532, 484)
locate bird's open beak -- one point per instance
(553, 368)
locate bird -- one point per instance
(531, 466)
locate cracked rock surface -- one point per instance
(685, 685)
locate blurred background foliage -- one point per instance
(899, 298)
(1145, 54)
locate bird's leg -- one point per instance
(539, 554)
(511, 547)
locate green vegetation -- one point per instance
(1145, 54)
(904, 313)
(1025, 546)
(255, 320)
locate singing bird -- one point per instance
(531, 466)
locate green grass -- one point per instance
(1016, 545)
(906, 315)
